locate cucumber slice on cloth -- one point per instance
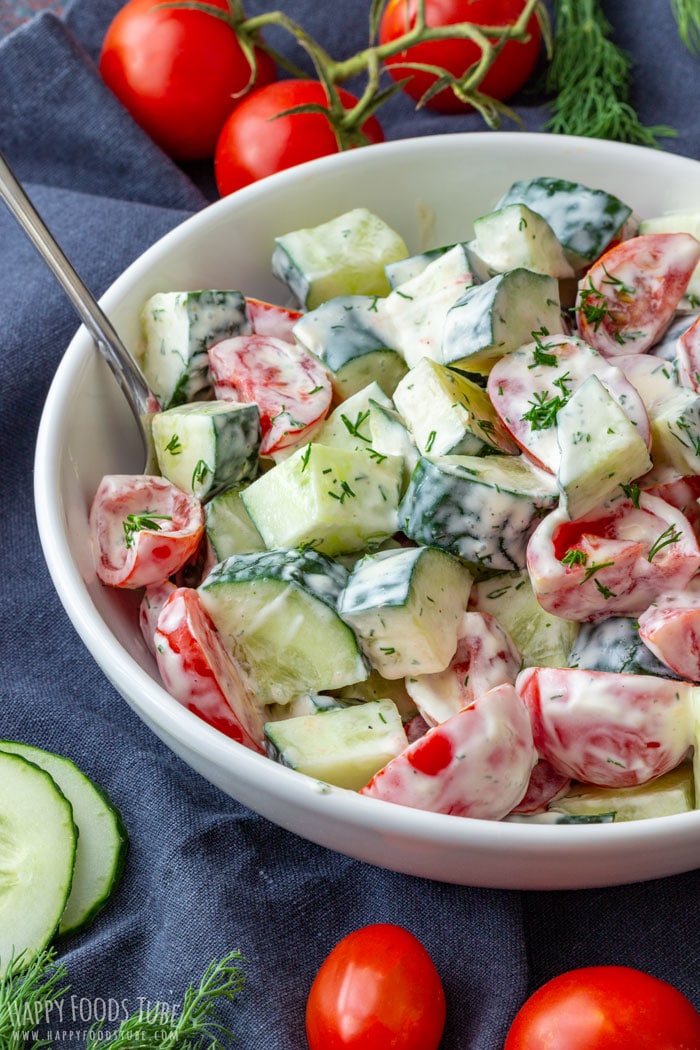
(102, 838)
(37, 854)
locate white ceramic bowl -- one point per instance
(429, 189)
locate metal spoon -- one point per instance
(108, 342)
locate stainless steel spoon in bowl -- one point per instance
(91, 314)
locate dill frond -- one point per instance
(27, 993)
(687, 15)
(590, 77)
(195, 1027)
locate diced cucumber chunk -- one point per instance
(406, 606)
(614, 644)
(178, 329)
(584, 220)
(673, 792)
(349, 424)
(448, 414)
(345, 256)
(207, 446)
(390, 437)
(277, 613)
(375, 687)
(343, 747)
(329, 498)
(483, 510)
(677, 222)
(516, 236)
(498, 317)
(228, 526)
(38, 840)
(601, 449)
(543, 640)
(102, 837)
(418, 308)
(675, 431)
(406, 269)
(350, 335)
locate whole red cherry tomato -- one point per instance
(377, 989)
(606, 1008)
(179, 72)
(255, 141)
(509, 72)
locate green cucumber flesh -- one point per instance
(38, 840)
(102, 837)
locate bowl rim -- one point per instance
(169, 719)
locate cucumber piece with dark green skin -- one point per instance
(102, 836)
(276, 611)
(482, 510)
(349, 334)
(406, 606)
(344, 746)
(583, 219)
(37, 859)
(514, 236)
(178, 329)
(493, 319)
(207, 446)
(344, 256)
(614, 644)
(673, 792)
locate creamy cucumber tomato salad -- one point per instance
(432, 534)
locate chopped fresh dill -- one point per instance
(137, 522)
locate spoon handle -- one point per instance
(93, 317)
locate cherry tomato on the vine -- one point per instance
(255, 141)
(179, 72)
(511, 69)
(606, 1008)
(377, 989)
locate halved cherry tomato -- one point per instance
(199, 672)
(378, 989)
(606, 1008)
(509, 72)
(143, 529)
(257, 141)
(290, 385)
(628, 297)
(179, 72)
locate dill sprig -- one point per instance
(687, 15)
(195, 1027)
(27, 993)
(590, 77)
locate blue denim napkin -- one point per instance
(204, 874)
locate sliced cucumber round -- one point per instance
(102, 837)
(38, 841)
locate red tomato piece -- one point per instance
(613, 563)
(268, 319)
(612, 730)
(628, 297)
(682, 493)
(199, 673)
(688, 356)
(143, 529)
(510, 71)
(546, 785)
(605, 1008)
(475, 764)
(154, 598)
(179, 72)
(261, 137)
(485, 657)
(290, 386)
(671, 629)
(377, 989)
(527, 393)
